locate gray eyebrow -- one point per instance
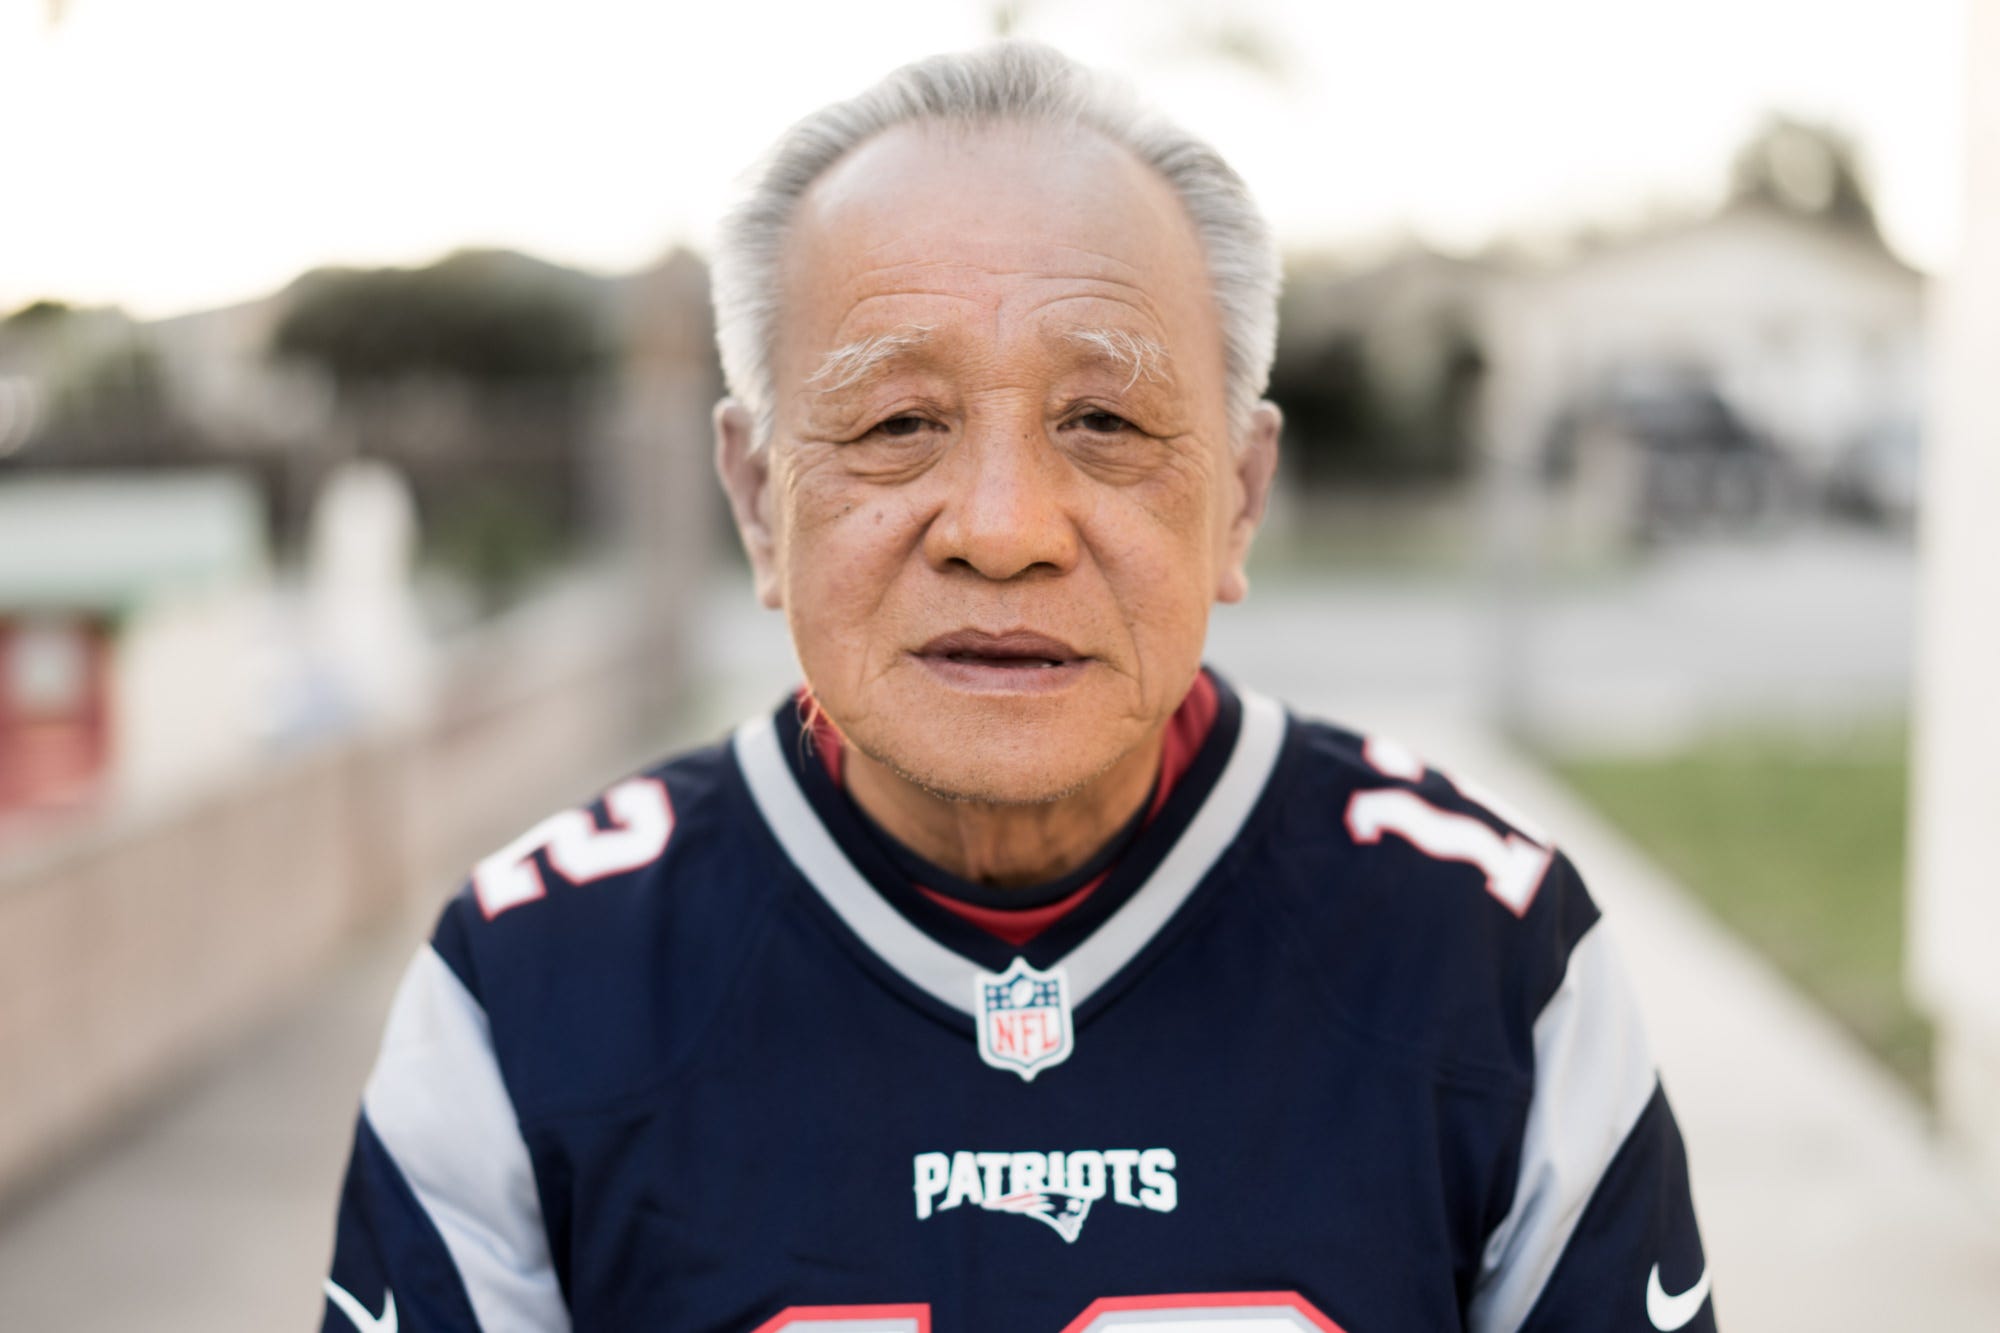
(1145, 358)
(851, 363)
(847, 365)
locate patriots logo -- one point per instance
(1061, 1209)
(1052, 1187)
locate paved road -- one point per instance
(214, 1214)
(1825, 1204)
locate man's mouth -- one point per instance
(1013, 660)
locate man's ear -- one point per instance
(1255, 463)
(746, 476)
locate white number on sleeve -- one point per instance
(1393, 759)
(1513, 866)
(642, 819)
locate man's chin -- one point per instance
(988, 749)
(992, 776)
(995, 756)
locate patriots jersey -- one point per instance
(1332, 1047)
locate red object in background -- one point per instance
(54, 710)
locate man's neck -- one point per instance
(1006, 846)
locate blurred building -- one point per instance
(1756, 346)
(1735, 364)
(280, 751)
(1813, 334)
(130, 607)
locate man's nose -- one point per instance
(1007, 508)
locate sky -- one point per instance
(169, 157)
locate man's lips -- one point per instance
(1014, 662)
(1020, 649)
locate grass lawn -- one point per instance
(1797, 843)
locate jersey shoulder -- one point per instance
(1447, 916)
(601, 939)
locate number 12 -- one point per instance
(1210, 1312)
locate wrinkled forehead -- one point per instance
(999, 232)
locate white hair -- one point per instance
(847, 365)
(1008, 82)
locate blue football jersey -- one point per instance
(1332, 1047)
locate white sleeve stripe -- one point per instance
(1593, 1079)
(437, 1103)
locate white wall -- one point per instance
(186, 693)
(1955, 901)
(1814, 336)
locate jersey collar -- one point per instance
(943, 957)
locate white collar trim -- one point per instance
(949, 976)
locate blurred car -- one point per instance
(1877, 476)
(1699, 463)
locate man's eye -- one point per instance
(900, 427)
(1102, 423)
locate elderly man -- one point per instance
(1019, 974)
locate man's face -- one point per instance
(1001, 495)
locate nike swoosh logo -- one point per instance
(357, 1313)
(1671, 1312)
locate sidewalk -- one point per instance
(1824, 1205)
(215, 1214)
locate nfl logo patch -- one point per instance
(1023, 1018)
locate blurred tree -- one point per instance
(100, 379)
(123, 378)
(36, 315)
(1004, 17)
(482, 316)
(1805, 168)
(1378, 368)
(1334, 417)
(1348, 417)
(494, 534)
(478, 377)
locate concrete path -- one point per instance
(215, 1213)
(1825, 1205)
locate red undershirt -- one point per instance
(1186, 730)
